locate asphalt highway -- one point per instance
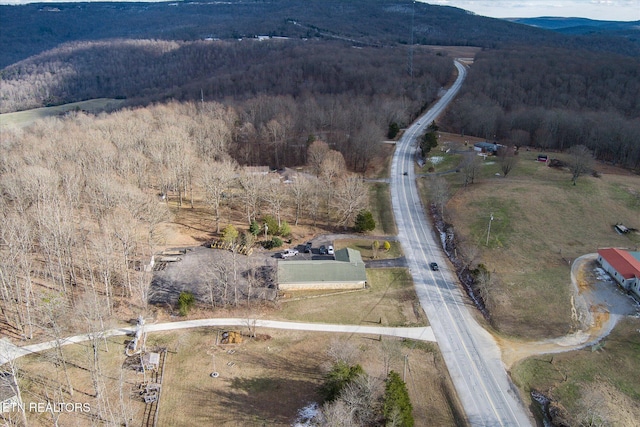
(471, 355)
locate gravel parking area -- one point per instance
(214, 273)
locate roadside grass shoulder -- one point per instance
(382, 210)
(364, 246)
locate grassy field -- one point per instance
(366, 251)
(25, 118)
(602, 384)
(541, 223)
(390, 300)
(382, 211)
(262, 381)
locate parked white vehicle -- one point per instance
(289, 253)
(330, 250)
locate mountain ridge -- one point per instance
(33, 28)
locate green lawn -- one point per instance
(382, 210)
(366, 251)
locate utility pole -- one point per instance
(413, 13)
(404, 371)
(489, 229)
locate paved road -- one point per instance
(471, 355)
(8, 351)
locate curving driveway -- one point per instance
(9, 352)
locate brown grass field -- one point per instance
(541, 224)
(262, 381)
(25, 118)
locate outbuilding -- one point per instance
(347, 271)
(623, 266)
(487, 148)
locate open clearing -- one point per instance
(541, 224)
(597, 381)
(25, 118)
(262, 381)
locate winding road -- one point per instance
(471, 354)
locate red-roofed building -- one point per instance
(623, 266)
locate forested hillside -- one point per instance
(34, 28)
(554, 99)
(81, 210)
(151, 70)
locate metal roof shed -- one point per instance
(347, 271)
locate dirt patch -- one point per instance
(215, 277)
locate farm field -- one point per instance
(266, 379)
(25, 118)
(541, 224)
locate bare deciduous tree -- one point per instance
(298, 192)
(439, 190)
(316, 154)
(252, 190)
(580, 161)
(216, 179)
(350, 197)
(507, 159)
(470, 167)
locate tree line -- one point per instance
(553, 99)
(145, 71)
(33, 28)
(82, 199)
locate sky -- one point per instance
(604, 10)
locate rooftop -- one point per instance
(626, 263)
(347, 267)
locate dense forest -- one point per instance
(553, 99)
(34, 28)
(152, 70)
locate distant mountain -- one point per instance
(580, 25)
(33, 28)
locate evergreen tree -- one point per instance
(394, 129)
(365, 221)
(255, 228)
(340, 375)
(397, 405)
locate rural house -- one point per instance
(487, 148)
(623, 266)
(347, 271)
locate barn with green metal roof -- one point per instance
(347, 271)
